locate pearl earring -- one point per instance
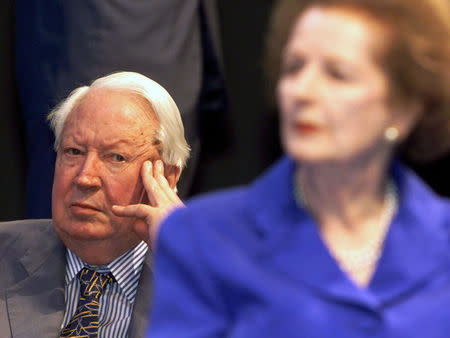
(391, 134)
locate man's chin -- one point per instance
(87, 230)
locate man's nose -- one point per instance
(89, 175)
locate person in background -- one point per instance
(339, 238)
(87, 271)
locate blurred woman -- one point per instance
(337, 239)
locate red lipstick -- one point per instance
(306, 128)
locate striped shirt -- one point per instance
(117, 300)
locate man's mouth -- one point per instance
(83, 208)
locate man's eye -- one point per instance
(72, 151)
(117, 158)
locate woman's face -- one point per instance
(333, 96)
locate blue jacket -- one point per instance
(250, 263)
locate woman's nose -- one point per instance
(307, 85)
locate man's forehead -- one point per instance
(116, 116)
(114, 104)
(126, 101)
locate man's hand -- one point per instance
(162, 200)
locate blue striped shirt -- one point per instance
(117, 300)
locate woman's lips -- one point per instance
(306, 127)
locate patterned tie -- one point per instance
(84, 323)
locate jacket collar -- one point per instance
(417, 244)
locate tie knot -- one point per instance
(92, 283)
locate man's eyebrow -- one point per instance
(117, 143)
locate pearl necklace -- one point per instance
(353, 261)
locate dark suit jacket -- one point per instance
(32, 272)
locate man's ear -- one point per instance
(172, 174)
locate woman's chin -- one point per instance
(307, 155)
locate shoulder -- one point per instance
(235, 218)
(420, 204)
(207, 216)
(16, 237)
(26, 225)
(219, 204)
(203, 234)
(24, 245)
(241, 202)
(195, 244)
(24, 229)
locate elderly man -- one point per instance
(120, 150)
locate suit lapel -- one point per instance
(36, 304)
(141, 309)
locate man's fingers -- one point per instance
(133, 210)
(158, 170)
(148, 218)
(170, 194)
(158, 174)
(158, 189)
(150, 183)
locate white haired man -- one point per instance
(120, 151)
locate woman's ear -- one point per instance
(172, 174)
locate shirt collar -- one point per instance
(126, 269)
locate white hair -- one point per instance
(175, 149)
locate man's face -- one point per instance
(104, 142)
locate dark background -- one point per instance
(12, 160)
(252, 142)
